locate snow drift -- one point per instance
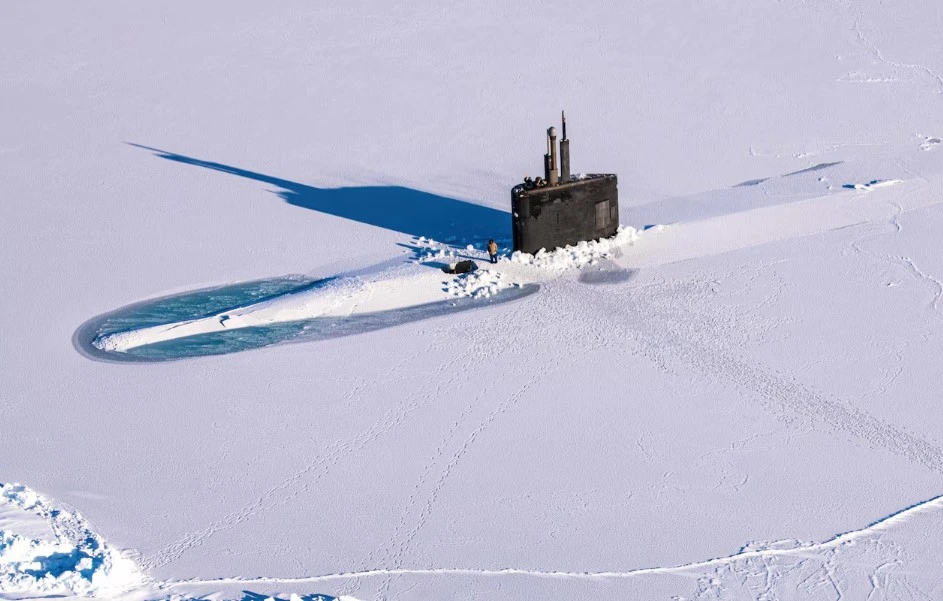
(47, 550)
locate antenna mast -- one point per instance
(564, 153)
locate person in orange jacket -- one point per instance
(492, 251)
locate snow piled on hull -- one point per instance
(67, 559)
(396, 288)
(583, 254)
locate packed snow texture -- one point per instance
(47, 550)
(755, 378)
(481, 283)
(583, 254)
(387, 290)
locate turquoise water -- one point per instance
(210, 301)
(201, 303)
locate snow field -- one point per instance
(763, 377)
(46, 550)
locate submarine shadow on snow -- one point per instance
(396, 208)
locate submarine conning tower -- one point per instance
(558, 209)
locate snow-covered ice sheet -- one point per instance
(70, 560)
(252, 315)
(698, 414)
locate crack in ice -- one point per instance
(880, 56)
(875, 527)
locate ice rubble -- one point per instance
(491, 279)
(483, 283)
(871, 185)
(63, 558)
(581, 255)
(48, 550)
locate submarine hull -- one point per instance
(549, 217)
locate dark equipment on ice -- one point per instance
(559, 209)
(463, 267)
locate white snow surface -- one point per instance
(389, 290)
(741, 402)
(47, 550)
